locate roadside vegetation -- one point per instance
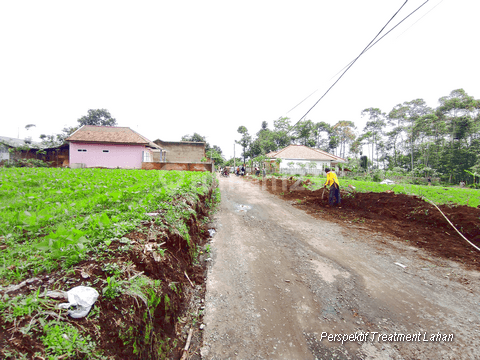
(438, 194)
(132, 235)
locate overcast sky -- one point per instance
(171, 68)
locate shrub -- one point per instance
(377, 176)
(27, 163)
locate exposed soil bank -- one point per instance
(409, 218)
(160, 281)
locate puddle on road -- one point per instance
(241, 208)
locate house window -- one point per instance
(106, 151)
(82, 150)
(147, 156)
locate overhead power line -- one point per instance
(353, 62)
(302, 101)
(420, 18)
(405, 18)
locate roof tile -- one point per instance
(303, 152)
(109, 134)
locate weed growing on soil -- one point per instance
(91, 227)
(62, 339)
(113, 288)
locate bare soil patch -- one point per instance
(409, 218)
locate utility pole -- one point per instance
(234, 166)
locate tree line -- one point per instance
(410, 138)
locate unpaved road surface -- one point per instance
(285, 285)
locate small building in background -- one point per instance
(111, 147)
(57, 156)
(16, 149)
(12, 149)
(183, 151)
(312, 160)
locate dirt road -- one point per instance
(285, 285)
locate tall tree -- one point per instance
(392, 141)
(356, 147)
(344, 130)
(413, 111)
(264, 142)
(245, 141)
(196, 137)
(100, 117)
(304, 133)
(375, 126)
(281, 128)
(459, 110)
(322, 142)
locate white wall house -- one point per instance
(300, 154)
(4, 154)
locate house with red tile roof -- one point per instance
(111, 147)
(301, 154)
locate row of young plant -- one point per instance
(51, 219)
(52, 214)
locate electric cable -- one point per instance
(405, 18)
(419, 19)
(301, 101)
(348, 66)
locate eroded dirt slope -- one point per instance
(159, 296)
(409, 218)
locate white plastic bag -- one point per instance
(83, 298)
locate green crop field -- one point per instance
(51, 218)
(437, 194)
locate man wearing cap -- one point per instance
(332, 181)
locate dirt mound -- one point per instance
(409, 218)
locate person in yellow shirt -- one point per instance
(332, 182)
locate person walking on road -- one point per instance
(332, 181)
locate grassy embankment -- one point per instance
(53, 219)
(437, 194)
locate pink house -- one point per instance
(111, 147)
